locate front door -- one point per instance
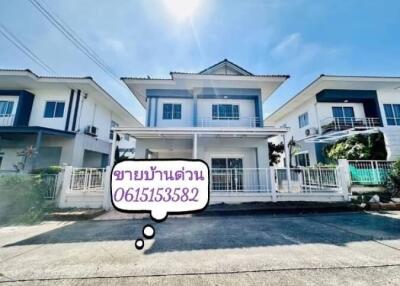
(227, 174)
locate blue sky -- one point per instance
(302, 38)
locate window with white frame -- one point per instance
(54, 109)
(172, 111)
(303, 120)
(392, 112)
(302, 159)
(225, 112)
(6, 108)
(343, 114)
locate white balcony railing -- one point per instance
(7, 119)
(229, 122)
(343, 123)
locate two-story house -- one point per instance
(215, 115)
(334, 107)
(46, 121)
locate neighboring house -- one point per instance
(214, 115)
(56, 121)
(335, 107)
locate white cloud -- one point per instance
(295, 50)
(115, 44)
(289, 44)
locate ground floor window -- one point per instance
(227, 174)
(302, 159)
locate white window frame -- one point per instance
(55, 108)
(302, 120)
(302, 153)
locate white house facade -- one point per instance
(47, 121)
(214, 115)
(335, 107)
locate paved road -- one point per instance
(325, 249)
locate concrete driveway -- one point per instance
(319, 249)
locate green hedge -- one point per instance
(48, 170)
(21, 199)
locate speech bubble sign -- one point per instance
(160, 187)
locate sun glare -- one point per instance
(181, 10)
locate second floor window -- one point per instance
(6, 108)
(303, 120)
(54, 109)
(225, 112)
(172, 111)
(344, 115)
(392, 112)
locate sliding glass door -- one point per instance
(227, 174)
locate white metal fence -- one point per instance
(308, 180)
(239, 179)
(49, 185)
(369, 172)
(87, 180)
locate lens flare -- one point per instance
(182, 10)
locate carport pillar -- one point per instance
(113, 148)
(194, 155)
(36, 150)
(287, 163)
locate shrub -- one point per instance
(21, 200)
(394, 179)
(48, 170)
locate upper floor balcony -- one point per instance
(332, 124)
(7, 120)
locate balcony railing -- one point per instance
(344, 123)
(229, 122)
(7, 119)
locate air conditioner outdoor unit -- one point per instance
(91, 130)
(311, 131)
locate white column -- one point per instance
(66, 182)
(268, 158)
(113, 147)
(344, 177)
(194, 155)
(272, 182)
(107, 189)
(287, 157)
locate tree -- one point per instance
(293, 149)
(358, 147)
(274, 151)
